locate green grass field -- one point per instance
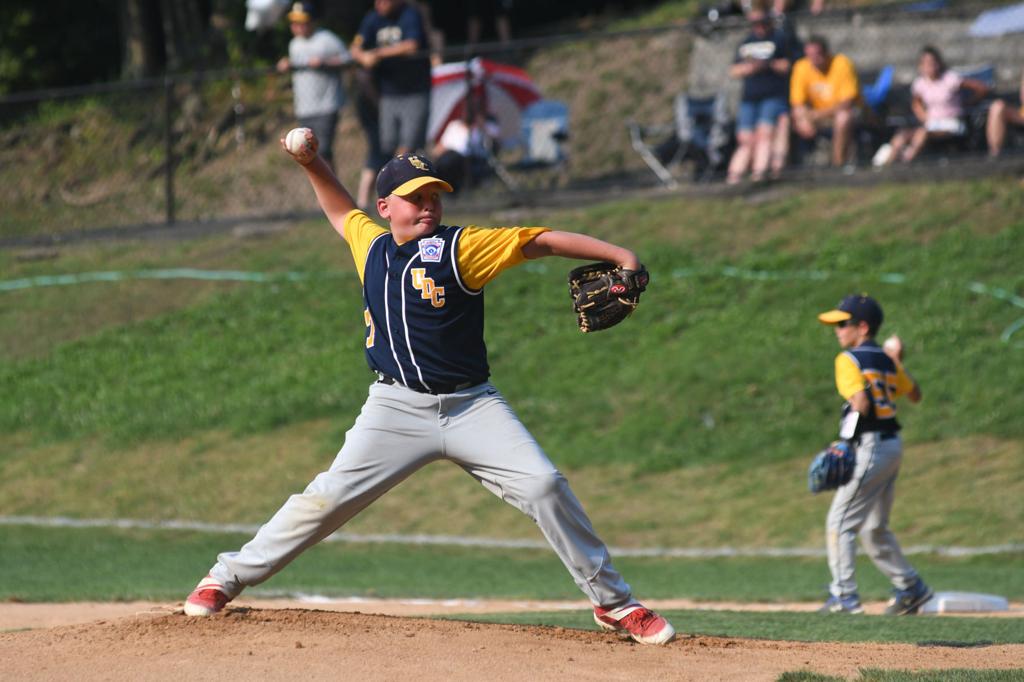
(723, 369)
(212, 401)
(804, 627)
(161, 565)
(255, 357)
(143, 564)
(689, 426)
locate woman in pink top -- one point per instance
(938, 105)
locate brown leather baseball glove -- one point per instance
(604, 294)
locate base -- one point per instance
(964, 602)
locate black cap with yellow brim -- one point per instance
(855, 307)
(405, 174)
(833, 316)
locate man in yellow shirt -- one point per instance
(824, 93)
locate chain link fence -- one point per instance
(204, 147)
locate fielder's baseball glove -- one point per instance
(832, 467)
(604, 294)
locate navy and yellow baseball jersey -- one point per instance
(424, 307)
(867, 367)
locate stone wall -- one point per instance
(872, 40)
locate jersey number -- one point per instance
(881, 392)
(369, 327)
(425, 285)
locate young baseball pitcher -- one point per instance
(423, 298)
(869, 377)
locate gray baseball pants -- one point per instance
(400, 431)
(862, 507)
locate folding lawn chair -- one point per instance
(876, 93)
(701, 133)
(544, 133)
(874, 129)
(545, 130)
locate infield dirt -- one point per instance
(146, 641)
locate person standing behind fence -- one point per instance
(435, 36)
(367, 105)
(392, 42)
(763, 61)
(314, 57)
(476, 10)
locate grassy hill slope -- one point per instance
(708, 401)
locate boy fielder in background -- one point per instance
(423, 295)
(869, 378)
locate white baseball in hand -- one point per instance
(302, 144)
(893, 347)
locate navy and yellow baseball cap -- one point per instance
(301, 13)
(855, 307)
(405, 174)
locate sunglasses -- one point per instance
(846, 323)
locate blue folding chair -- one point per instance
(876, 94)
(544, 132)
(543, 157)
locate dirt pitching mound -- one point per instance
(257, 643)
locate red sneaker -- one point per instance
(637, 621)
(207, 599)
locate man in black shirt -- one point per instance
(763, 61)
(392, 42)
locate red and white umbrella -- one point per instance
(504, 90)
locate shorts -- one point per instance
(757, 112)
(403, 122)
(953, 126)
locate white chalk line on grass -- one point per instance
(493, 543)
(170, 274)
(678, 273)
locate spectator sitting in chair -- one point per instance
(938, 104)
(1000, 116)
(463, 150)
(763, 61)
(825, 94)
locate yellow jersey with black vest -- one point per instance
(867, 368)
(424, 303)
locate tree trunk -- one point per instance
(140, 40)
(184, 34)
